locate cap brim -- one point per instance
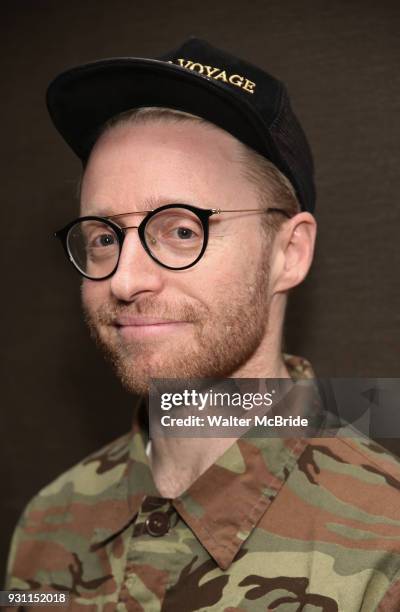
(82, 99)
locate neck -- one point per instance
(177, 462)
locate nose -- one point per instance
(137, 273)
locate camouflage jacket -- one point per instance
(288, 525)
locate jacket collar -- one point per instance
(223, 506)
(226, 502)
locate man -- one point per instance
(196, 221)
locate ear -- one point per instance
(292, 252)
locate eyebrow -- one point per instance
(107, 212)
(148, 205)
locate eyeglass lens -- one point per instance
(175, 238)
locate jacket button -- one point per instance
(157, 524)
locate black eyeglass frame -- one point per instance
(202, 214)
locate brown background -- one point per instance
(340, 61)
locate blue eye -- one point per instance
(104, 240)
(184, 232)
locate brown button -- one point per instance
(157, 524)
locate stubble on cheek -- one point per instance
(221, 336)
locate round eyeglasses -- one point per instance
(174, 235)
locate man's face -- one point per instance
(209, 320)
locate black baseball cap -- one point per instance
(196, 78)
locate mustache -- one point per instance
(108, 313)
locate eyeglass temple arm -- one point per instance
(217, 211)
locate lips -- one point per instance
(132, 321)
(141, 327)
